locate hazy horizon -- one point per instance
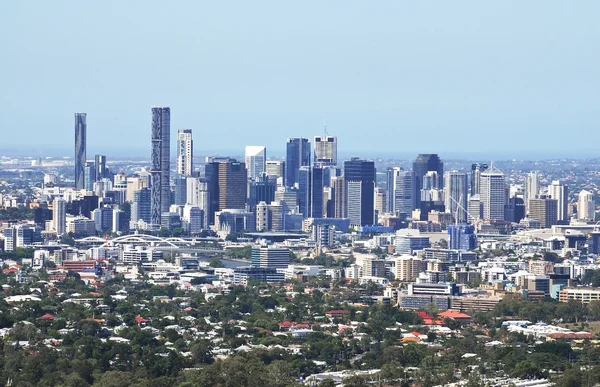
(391, 77)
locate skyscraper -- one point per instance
(403, 199)
(545, 210)
(423, 164)
(338, 188)
(297, 155)
(256, 161)
(304, 191)
(493, 193)
(141, 206)
(360, 191)
(462, 237)
(80, 143)
(185, 152)
(456, 195)
(59, 216)
(476, 170)
(560, 193)
(89, 176)
(586, 207)
(325, 151)
(161, 150)
(232, 189)
(275, 168)
(100, 163)
(532, 188)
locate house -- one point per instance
(428, 319)
(338, 313)
(456, 316)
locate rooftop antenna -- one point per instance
(325, 125)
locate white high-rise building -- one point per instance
(197, 195)
(185, 152)
(256, 161)
(325, 151)
(59, 216)
(560, 193)
(586, 207)
(493, 193)
(532, 187)
(262, 216)
(456, 195)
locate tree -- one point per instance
(216, 262)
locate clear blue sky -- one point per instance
(418, 76)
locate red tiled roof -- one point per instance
(454, 314)
(140, 320)
(48, 316)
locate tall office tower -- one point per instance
(256, 161)
(493, 193)
(476, 170)
(586, 207)
(514, 210)
(59, 216)
(80, 142)
(161, 162)
(185, 152)
(325, 151)
(403, 199)
(560, 193)
(380, 200)
(262, 216)
(317, 184)
(232, 188)
(360, 189)
(456, 195)
(304, 191)
(141, 206)
(277, 257)
(287, 198)
(275, 169)
(193, 219)
(475, 208)
(261, 190)
(532, 187)
(389, 186)
(90, 176)
(197, 195)
(338, 188)
(545, 210)
(297, 155)
(100, 162)
(180, 198)
(462, 237)
(423, 164)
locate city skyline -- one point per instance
(371, 83)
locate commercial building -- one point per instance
(80, 145)
(423, 164)
(360, 190)
(409, 241)
(456, 195)
(185, 152)
(462, 237)
(241, 275)
(256, 161)
(583, 295)
(408, 268)
(493, 193)
(297, 155)
(272, 257)
(545, 210)
(59, 216)
(560, 193)
(160, 163)
(325, 151)
(275, 169)
(586, 207)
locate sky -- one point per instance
(387, 77)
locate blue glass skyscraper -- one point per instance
(297, 155)
(462, 237)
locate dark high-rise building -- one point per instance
(83, 206)
(261, 190)
(514, 211)
(423, 164)
(297, 155)
(100, 163)
(180, 197)
(80, 143)
(232, 179)
(141, 208)
(359, 176)
(161, 162)
(304, 191)
(317, 183)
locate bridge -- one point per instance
(150, 240)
